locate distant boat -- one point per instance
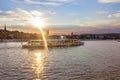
(53, 43)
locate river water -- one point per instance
(95, 60)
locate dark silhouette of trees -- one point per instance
(18, 35)
(100, 36)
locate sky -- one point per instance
(62, 16)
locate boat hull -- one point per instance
(52, 46)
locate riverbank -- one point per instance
(25, 40)
(13, 40)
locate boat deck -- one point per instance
(53, 43)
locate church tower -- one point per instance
(5, 28)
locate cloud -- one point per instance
(116, 24)
(99, 23)
(51, 12)
(115, 15)
(46, 2)
(19, 15)
(74, 14)
(67, 29)
(3, 13)
(109, 1)
(103, 12)
(61, 0)
(42, 3)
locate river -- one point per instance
(95, 60)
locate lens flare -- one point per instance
(39, 23)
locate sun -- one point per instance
(38, 22)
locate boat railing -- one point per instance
(54, 41)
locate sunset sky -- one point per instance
(80, 16)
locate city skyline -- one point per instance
(83, 16)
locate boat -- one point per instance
(53, 43)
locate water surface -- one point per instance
(95, 60)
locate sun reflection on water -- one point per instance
(37, 65)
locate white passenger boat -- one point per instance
(53, 43)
